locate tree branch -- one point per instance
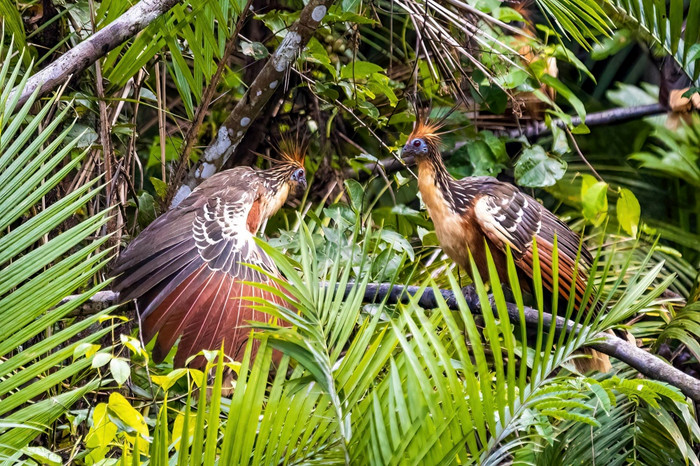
(207, 97)
(95, 47)
(611, 116)
(606, 117)
(263, 87)
(646, 363)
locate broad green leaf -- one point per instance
(103, 430)
(398, 242)
(359, 70)
(85, 349)
(536, 169)
(560, 141)
(595, 201)
(565, 92)
(168, 380)
(254, 49)
(487, 159)
(101, 359)
(121, 408)
(628, 211)
(160, 187)
(120, 370)
(43, 456)
(356, 193)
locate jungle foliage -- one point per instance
(84, 169)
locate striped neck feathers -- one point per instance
(434, 182)
(277, 188)
(283, 176)
(437, 185)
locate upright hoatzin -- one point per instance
(187, 270)
(475, 212)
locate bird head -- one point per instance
(286, 176)
(424, 141)
(292, 164)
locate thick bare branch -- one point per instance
(606, 117)
(259, 92)
(95, 47)
(646, 363)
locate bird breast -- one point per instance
(450, 227)
(275, 201)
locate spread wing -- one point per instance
(186, 270)
(509, 217)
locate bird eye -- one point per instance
(417, 143)
(299, 174)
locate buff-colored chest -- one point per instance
(275, 201)
(265, 206)
(450, 227)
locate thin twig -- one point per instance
(107, 150)
(580, 154)
(374, 165)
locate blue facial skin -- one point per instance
(415, 147)
(299, 176)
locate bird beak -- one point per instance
(301, 184)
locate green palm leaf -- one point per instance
(193, 34)
(35, 275)
(668, 26)
(406, 385)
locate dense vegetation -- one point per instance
(93, 157)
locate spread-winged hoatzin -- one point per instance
(188, 269)
(475, 212)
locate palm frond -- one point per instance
(37, 272)
(632, 425)
(194, 32)
(684, 327)
(395, 383)
(668, 25)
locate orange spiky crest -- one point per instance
(428, 130)
(292, 151)
(284, 170)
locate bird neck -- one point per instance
(440, 190)
(271, 198)
(275, 200)
(435, 183)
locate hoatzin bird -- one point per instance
(674, 83)
(188, 269)
(475, 212)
